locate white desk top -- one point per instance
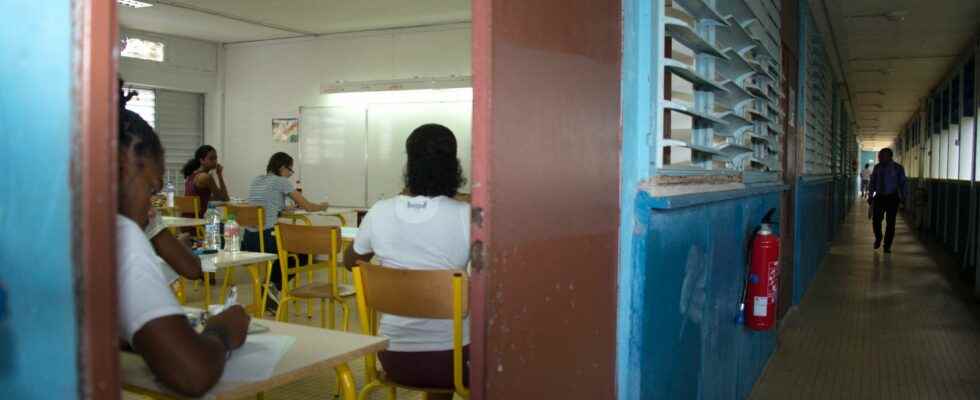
(314, 351)
(226, 259)
(181, 222)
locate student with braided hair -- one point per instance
(150, 319)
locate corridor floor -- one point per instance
(879, 326)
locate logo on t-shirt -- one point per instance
(416, 206)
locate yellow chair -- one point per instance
(293, 240)
(436, 294)
(249, 216)
(190, 205)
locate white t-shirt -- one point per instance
(866, 174)
(418, 233)
(144, 291)
(153, 228)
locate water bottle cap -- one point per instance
(231, 217)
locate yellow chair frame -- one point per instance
(258, 296)
(425, 280)
(309, 241)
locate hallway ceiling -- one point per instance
(229, 21)
(903, 48)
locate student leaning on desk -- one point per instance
(151, 320)
(270, 191)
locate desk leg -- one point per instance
(256, 290)
(207, 290)
(348, 390)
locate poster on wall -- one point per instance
(285, 130)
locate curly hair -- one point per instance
(433, 168)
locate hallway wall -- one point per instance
(813, 231)
(695, 274)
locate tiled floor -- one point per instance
(320, 387)
(877, 326)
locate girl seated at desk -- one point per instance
(197, 177)
(270, 191)
(425, 227)
(150, 319)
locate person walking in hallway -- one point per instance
(886, 190)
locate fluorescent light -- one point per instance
(134, 3)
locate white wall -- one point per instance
(273, 79)
(189, 65)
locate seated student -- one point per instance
(422, 228)
(150, 319)
(197, 177)
(270, 191)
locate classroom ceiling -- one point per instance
(903, 48)
(231, 21)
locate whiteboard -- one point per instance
(332, 154)
(389, 126)
(355, 155)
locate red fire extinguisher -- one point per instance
(763, 280)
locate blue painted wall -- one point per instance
(693, 274)
(814, 216)
(38, 334)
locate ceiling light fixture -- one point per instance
(893, 16)
(878, 92)
(878, 106)
(134, 3)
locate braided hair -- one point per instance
(135, 134)
(433, 168)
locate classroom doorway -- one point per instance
(545, 151)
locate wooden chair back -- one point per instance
(308, 239)
(188, 204)
(411, 293)
(248, 216)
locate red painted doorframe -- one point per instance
(546, 145)
(94, 197)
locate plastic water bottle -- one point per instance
(170, 190)
(233, 235)
(212, 229)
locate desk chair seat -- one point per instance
(321, 290)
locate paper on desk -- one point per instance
(207, 263)
(256, 360)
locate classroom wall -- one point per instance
(189, 65)
(38, 324)
(273, 79)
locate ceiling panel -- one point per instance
(191, 24)
(248, 20)
(904, 57)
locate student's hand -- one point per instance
(235, 321)
(324, 206)
(219, 169)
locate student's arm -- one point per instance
(306, 204)
(177, 255)
(351, 257)
(361, 249)
(219, 193)
(188, 362)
